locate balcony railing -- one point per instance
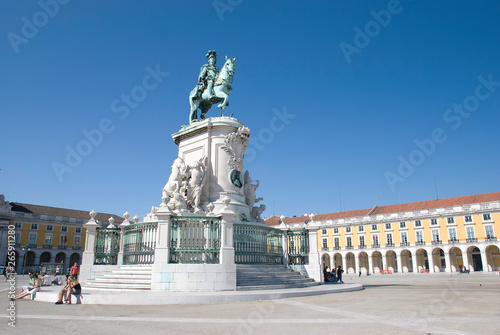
(490, 238)
(62, 247)
(47, 246)
(471, 239)
(389, 245)
(453, 240)
(336, 247)
(362, 246)
(420, 243)
(349, 247)
(375, 245)
(405, 244)
(437, 242)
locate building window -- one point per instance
(349, 242)
(453, 234)
(337, 242)
(325, 243)
(389, 238)
(361, 228)
(49, 227)
(362, 241)
(323, 231)
(402, 224)
(451, 220)
(375, 240)
(77, 242)
(32, 240)
(468, 218)
(420, 237)
(404, 238)
(48, 240)
(470, 232)
(18, 238)
(34, 226)
(17, 225)
(64, 228)
(435, 235)
(78, 230)
(489, 231)
(347, 229)
(486, 217)
(388, 226)
(374, 227)
(63, 240)
(434, 222)
(418, 223)
(335, 230)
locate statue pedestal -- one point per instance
(222, 141)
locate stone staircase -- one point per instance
(129, 277)
(269, 277)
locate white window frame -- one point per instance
(388, 238)
(419, 236)
(452, 237)
(418, 223)
(492, 230)
(469, 229)
(434, 222)
(362, 240)
(348, 230)
(435, 235)
(361, 228)
(402, 224)
(376, 227)
(404, 237)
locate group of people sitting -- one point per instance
(334, 276)
(72, 287)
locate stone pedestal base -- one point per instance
(193, 277)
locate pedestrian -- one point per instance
(5, 274)
(339, 274)
(75, 270)
(57, 270)
(359, 271)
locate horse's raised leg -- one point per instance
(223, 104)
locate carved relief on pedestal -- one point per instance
(235, 144)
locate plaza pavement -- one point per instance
(389, 304)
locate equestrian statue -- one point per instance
(213, 87)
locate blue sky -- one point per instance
(350, 104)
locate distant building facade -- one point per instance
(445, 235)
(43, 234)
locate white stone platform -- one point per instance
(129, 297)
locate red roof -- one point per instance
(411, 206)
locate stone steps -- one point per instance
(269, 277)
(128, 277)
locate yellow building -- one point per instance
(445, 235)
(43, 234)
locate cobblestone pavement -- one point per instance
(390, 304)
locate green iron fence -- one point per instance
(195, 240)
(139, 242)
(257, 245)
(298, 247)
(107, 245)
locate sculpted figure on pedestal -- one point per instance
(250, 191)
(212, 87)
(196, 180)
(174, 182)
(257, 212)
